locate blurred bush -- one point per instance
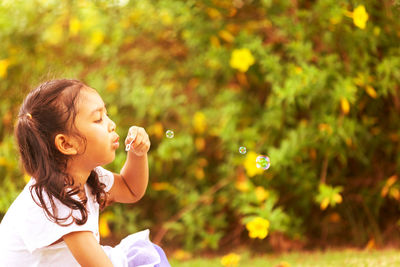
(312, 84)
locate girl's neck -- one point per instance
(79, 174)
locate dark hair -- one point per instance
(48, 110)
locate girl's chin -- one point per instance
(115, 145)
(108, 160)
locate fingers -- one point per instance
(139, 140)
(132, 133)
(143, 147)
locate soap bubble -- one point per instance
(263, 162)
(242, 150)
(169, 134)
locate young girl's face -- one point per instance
(98, 129)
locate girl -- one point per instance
(64, 135)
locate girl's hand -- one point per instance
(137, 141)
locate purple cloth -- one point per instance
(164, 261)
(139, 255)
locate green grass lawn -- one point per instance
(346, 258)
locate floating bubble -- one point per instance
(169, 134)
(263, 162)
(242, 150)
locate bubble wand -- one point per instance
(128, 146)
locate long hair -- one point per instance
(48, 110)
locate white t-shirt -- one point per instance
(26, 234)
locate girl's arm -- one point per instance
(130, 185)
(86, 250)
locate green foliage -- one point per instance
(316, 93)
(12, 179)
(329, 195)
(351, 258)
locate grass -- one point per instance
(347, 258)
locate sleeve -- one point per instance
(106, 177)
(38, 231)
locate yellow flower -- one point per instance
(199, 122)
(344, 103)
(360, 79)
(200, 143)
(103, 226)
(250, 164)
(163, 186)
(349, 142)
(3, 161)
(261, 193)
(283, 264)
(395, 193)
(97, 38)
(74, 26)
(324, 204)
(371, 91)
(166, 18)
(337, 198)
(384, 191)
(377, 31)
(27, 178)
(335, 20)
(4, 63)
(324, 127)
(157, 129)
(181, 255)
(199, 173)
(112, 85)
(242, 186)
(391, 180)
(258, 228)
(298, 70)
(215, 41)
(370, 245)
(241, 59)
(227, 36)
(360, 17)
(231, 259)
(54, 34)
(214, 13)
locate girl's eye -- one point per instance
(101, 118)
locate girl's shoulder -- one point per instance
(105, 176)
(31, 223)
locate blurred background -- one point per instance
(313, 84)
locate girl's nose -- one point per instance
(112, 125)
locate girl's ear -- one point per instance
(66, 144)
